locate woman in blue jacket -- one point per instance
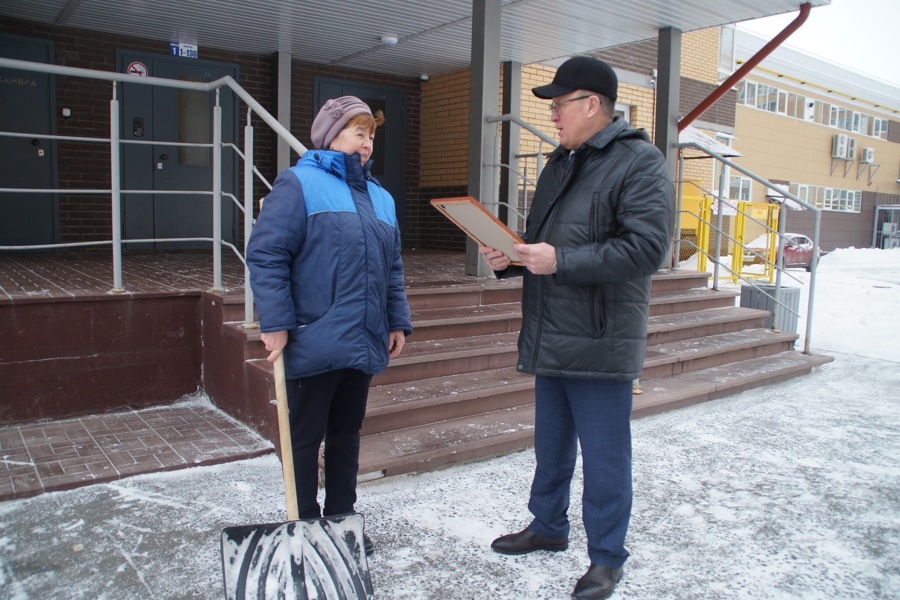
(327, 277)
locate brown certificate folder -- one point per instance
(469, 215)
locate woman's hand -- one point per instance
(395, 343)
(275, 342)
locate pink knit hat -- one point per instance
(333, 117)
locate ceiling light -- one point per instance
(389, 40)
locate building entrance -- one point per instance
(28, 106)
(168, 118)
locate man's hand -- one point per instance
(540, 259)
(495, 259)
(395, 343)
(275, 342)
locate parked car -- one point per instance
(798, 250)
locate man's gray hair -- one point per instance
(607, 105)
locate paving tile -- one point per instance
(26, 485)
(10, 439)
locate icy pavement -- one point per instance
(786, 491)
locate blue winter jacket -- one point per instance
(324, 260)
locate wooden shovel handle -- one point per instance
(284, 431)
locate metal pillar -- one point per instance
(485, 75)
(217, 196)
(115, 175)
(668, 85)
(512, 105)
(283, 157)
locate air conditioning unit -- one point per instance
(888, 228)
(839, 146)
(851, 149)
(868, 156)
(890, 243)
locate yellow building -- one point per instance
(829, 134)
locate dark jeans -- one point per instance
(596, 414)
(330, 406)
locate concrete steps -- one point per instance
(454, 393)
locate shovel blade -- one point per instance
(316, 559)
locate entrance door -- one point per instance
(27, 105)
(164, 114)
(389, 153)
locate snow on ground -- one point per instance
(783, 492)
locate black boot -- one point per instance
(527, 541)
(597, 583)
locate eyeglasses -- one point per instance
(554, 106)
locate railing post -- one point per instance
(217, 196)
(679, 205)
(248, 218)
(115, 192)
(720, 204)
(814, 267)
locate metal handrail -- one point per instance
(115, 165)
(779, 269)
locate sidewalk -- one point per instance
(784, 492)
(60, 455)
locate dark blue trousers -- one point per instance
(596, 414)
(330, 406)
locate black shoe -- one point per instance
(527, 541)
(368, 545)
(597, 583)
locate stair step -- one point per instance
(465, 321)
(669, 393)
(436, 358)
(427, 447)
(665, 303)
(435, 295)
(408, 404)
(684, 356)
(686, 325)
(670, 280)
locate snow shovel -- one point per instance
(315, 559)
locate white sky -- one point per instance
(860, 34)
(784, 492)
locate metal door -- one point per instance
(164, 114)
(389, 153)
(27, 105)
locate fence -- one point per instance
(116, 142)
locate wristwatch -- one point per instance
(554, 267)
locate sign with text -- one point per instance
(182, 49)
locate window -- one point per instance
(624, 111)
(879, 128)
(726, 52)
(740, 188)
(771, 99)
(717, 170)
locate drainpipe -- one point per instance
(746, 67)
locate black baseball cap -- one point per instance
(581, 73)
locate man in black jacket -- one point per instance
(600, 225)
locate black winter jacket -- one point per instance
(610, 216)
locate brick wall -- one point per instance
(86, 164)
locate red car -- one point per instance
(798, 250)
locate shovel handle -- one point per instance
(284, 432)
